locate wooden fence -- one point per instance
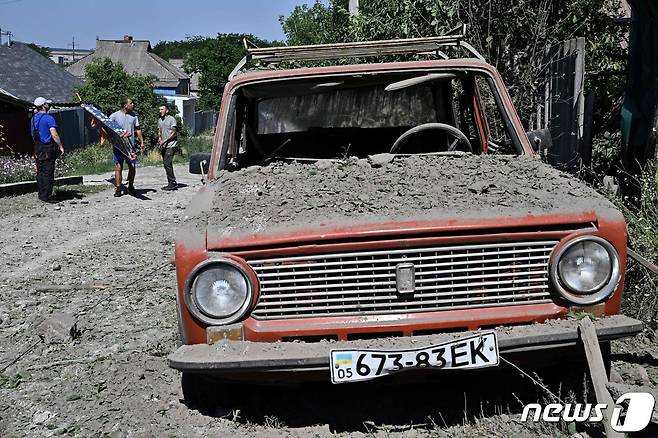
(563, 107)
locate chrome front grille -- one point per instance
(364, 283)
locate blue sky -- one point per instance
(54, 23)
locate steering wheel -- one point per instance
(459, 136)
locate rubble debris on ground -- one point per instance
(114, 379)
(59, 328)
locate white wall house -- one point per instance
(186, 105)
(67, 56)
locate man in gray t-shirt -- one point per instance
(167, 135)
(128, 121)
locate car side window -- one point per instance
(497, 135)
(463, 109)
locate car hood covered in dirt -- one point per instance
(253, 206)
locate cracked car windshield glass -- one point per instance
(336, 118)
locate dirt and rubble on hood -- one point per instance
(384, 188)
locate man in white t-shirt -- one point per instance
(128, 121)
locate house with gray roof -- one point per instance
(137, 57)
(67, 56)
(26, 75)
(194, 76)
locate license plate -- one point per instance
(478, 351)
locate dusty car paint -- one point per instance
(612, 229)
(195, 244)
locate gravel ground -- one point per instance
(105, 262)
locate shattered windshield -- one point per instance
(360, 116)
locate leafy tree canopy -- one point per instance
(318, 24)
(39, 49)
(214, 58)
(107, 82)
(511, 34)
(178, 49)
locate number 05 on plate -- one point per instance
(478, 351)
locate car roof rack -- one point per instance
(322, 52)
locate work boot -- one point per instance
(131, 191)
(118, 192)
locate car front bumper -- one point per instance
(228, 357)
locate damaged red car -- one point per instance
(362, 220)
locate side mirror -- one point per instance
(541, 140)
(199, 164)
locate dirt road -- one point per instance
(105, 261)
(112, 255)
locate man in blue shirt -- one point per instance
(47, 147)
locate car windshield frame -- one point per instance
(222, 158)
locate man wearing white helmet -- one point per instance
(47, 147)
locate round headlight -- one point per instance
(585, 267)
(219, 291)
(586, 270)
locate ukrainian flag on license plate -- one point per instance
(344, 358)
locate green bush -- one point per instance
(107, 82)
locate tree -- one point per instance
(318, 24)
(214, 58)
(107, 82)
(43, 51)
(179, 49)
(511, 34)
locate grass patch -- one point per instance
(11, 381)
(95, 158)
(187, 147)
(90, 160)
(640, 298)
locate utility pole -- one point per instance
(7, 34)
(73, 47)
(354, 7)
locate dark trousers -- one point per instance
(168, 162)
(45, 178)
